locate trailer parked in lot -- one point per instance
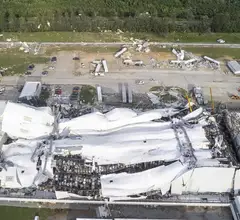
(120, 52)
(105, 67)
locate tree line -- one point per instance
(156, 16)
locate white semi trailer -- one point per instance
(105, 67)
(120, 52)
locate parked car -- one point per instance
(221, 41)
(58, 90)
(139, 82)
(31, 67)
(44, 73)
(28, 73)
(53, 59)
(51, 67)
(76, 58)
(75, 93)
(76, 89)
(2, 90)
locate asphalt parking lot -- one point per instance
(11, 93)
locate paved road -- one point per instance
(112, 44)
(220, 83)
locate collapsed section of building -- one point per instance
(122, 154)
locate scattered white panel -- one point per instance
(197, 137)
(211, 179)
(23, 173)
(179, 183)
(204, 180)
(237, 182)
(193, 114)
(125, 184)
(154, 99)
(61, 195)
(67, 195)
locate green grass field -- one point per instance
(16, 213)
(124, 37)
(87, 49)
(217, 53)
(17, 61)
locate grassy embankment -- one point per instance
(11, 213)
(121, 37)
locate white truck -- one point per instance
(130, 62)
(221, 41)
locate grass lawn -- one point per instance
(114, 37)
(17, 61)
(87, 49)
(217, 53)
(16, 213)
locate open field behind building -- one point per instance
(183, 213)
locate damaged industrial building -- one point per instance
(123, 154)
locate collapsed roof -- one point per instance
(173, 156)
(23, 121)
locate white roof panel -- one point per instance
(23, 173)
(234, 66)
(28, 123)
(115, 119)
(204, 180)
(124, 184)
(237, 182)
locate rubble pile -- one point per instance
(232, 120)
(125, 52)
(141, 46)
(76, 175)
(168, 96)
(70, 111)
(187, 60)
(32, 48)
